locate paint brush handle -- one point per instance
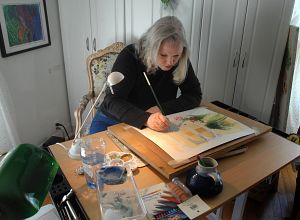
(156, 99)
(158, 104)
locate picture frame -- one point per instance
(23, 26)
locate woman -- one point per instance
(162, 53)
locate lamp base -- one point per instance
(74, 152)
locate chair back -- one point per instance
(99, 66)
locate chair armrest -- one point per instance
(79, 111)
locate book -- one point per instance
(161, 203)
(171, 214)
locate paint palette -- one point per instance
(116, 158)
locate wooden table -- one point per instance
(265, 155)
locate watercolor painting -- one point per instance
(24, 26)
(195, 131)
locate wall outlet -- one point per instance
(55, 121)
(60, 130)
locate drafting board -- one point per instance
(168, 166)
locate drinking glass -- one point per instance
(93, 157)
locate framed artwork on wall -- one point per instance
(23, 26)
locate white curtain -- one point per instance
(293, 121)
(9, 137)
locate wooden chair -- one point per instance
(99, 65)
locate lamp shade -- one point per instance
(26, 175)
(114, 78)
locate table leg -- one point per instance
(239, 206)
(215, 216)
(296, 205)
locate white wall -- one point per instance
(107, 21)
(37, 84)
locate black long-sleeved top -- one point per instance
(132, 96)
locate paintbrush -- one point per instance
(153, 93)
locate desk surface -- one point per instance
(264, 156)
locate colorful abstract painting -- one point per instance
(23, 23)
(195, 131)
(24, 26)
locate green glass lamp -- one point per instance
(26, 175)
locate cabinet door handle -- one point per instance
(87, 44)
(235, 59)
(244, 60)
(94, 44)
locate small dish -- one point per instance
(115, 158)
(126, 157)
(131, 164)
(113, 155)
(116, 162)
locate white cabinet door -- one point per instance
(107, 18)
(241, 49)
(126, 21)
(90, 25)
(221, 37)
(264, 39)
(77, 45)
(122, 20)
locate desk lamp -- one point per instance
(26, 176)
(112, 79)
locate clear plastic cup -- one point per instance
(118, 195)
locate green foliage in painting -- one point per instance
(218, 122)
(199, 118)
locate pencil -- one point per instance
(153, 93)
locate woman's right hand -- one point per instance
(153, 109)
(158, 122)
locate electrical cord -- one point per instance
(61, 125)
(63, 146)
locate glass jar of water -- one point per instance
(93, 158)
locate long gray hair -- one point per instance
(166, 28)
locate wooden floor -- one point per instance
(274, 206)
